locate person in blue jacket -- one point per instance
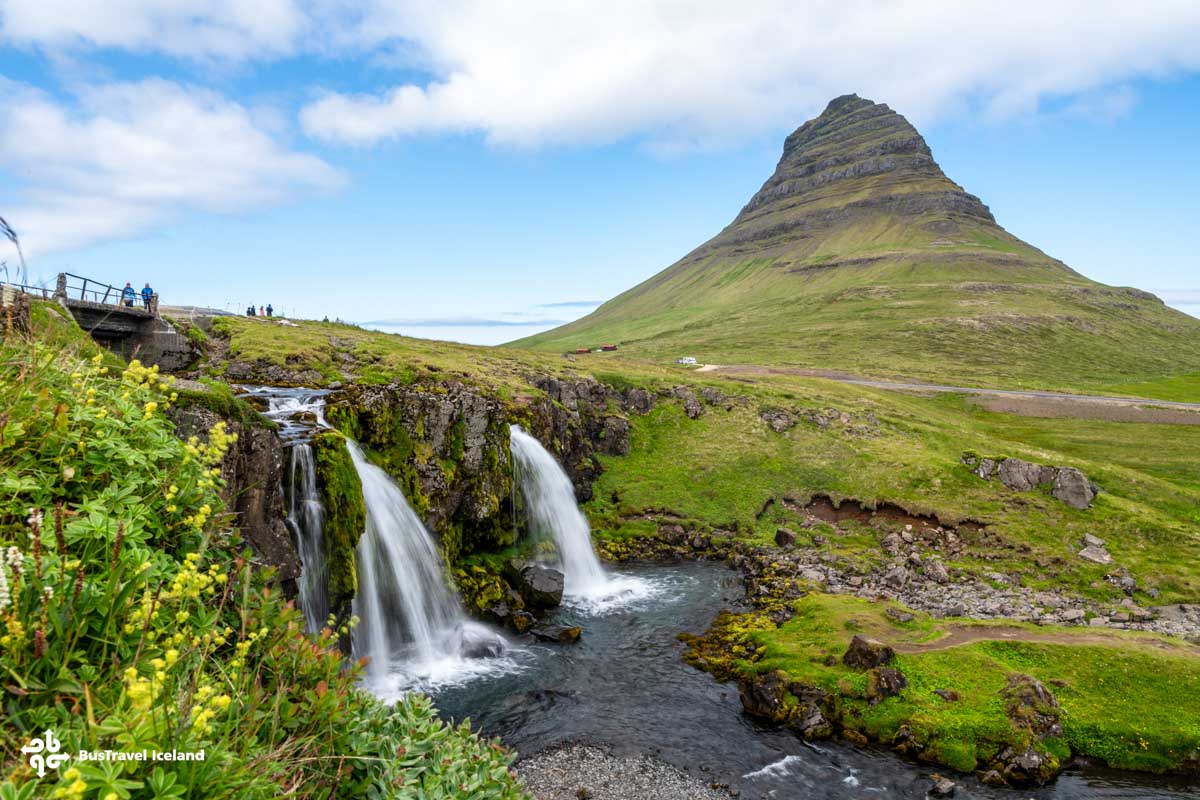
(129, 295)
(147, 294)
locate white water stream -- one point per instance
(410, 623)
(553, 514)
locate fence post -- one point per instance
(60, 289)
(154, 304)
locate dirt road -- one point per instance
(965, 634)
(1013, 401)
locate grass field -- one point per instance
(1097, 679)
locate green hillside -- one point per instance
(860, 255)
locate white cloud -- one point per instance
(128, 156)
(684, 74)
(225, 29)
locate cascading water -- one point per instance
(299, 413)
(410, 623)
(306, 518)
(553, 513)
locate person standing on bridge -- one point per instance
(270, 310)
(129, 295)
(147, 295)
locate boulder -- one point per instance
(1025, 767)
(639, 401)
(1030, 705)
(1097, 555)
(884, 682)
(896, 577)
(712, 396)
(942, 786)
(556, 633)
(538, 585)
(992, 778)
(691, 405)
(485, 647)
(936, 572)
(522, 621)
(1073, 488)
(785, 537)
(1023, 476)
(986, 468)
(614, 436)
(865, 653)
(777, 419)
(765, 696)
(949, 695)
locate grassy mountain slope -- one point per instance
(859, 254)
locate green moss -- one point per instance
(345, 513)
(220, 399)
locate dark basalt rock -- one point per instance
(1073, 488)
(691, 406)
(867, 653)
(766, 696)
(483, 648)
(539, 586)
(253, 474)
(884, 682)
(785, 537)
(778, 419)
(556, 633)
(1023, 476)
(1067, 484)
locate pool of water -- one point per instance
(624, 686)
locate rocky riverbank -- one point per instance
(910, 570)
(807, 599)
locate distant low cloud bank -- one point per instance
(461, 322)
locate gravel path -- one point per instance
(581, 772)
(1016, 401)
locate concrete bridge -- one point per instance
(130, 331)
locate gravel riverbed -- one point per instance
(582, 772)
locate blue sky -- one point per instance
(479, 177)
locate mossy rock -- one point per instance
(345, 514)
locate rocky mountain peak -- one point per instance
(859, 152)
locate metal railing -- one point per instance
(77, 287)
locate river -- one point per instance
(625, 687)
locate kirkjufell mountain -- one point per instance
(859, 254)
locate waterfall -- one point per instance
(410, 623)
(553, 513)
(299, 413)
(306, 518)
